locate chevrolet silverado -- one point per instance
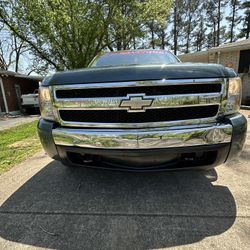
(142, 110)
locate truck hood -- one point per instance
(139, 73)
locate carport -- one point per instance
(12, 86)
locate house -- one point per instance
(12, 86)
(233, 55)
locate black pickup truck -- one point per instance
(142, 110)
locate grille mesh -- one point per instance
(151, 115)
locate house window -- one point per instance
(244, 63)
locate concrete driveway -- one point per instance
(9, 122)
(45, 205)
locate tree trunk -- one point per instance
(232, 23)
(248, 26)
(152, 34)
(189, 25)
(119, 44)
(134, 43)
(175, 30)
(218, 23)
(188, 34)
(163, 39)
(17, 63)
(214, 35)
(18, 49)
(152, 39)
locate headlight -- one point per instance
(233, 95)
(45, 101)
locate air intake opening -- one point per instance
(183, 160)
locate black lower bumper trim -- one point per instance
(146, 160)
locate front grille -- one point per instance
(183, 101)
(150, 115)
(147, 90)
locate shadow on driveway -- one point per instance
(94, 209)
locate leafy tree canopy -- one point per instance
(69, 33)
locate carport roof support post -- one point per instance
(4, 96)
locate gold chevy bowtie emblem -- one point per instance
(136, 103)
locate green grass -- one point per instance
(17, 144)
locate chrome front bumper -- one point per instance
(143, 139)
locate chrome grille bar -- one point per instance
(139, 83)
(159, 102)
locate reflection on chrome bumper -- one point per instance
(143, 139)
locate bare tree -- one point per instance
(11, 49)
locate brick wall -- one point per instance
(194, 57)
(230, 59)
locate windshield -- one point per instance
(136, 57)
